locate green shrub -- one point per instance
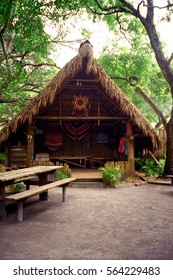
(111, 175)
(139, 163)
(61, 175)
(14, 188)
(18, 186)
(152, 168)
(2, 157)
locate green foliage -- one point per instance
(18, 186)
(61, 175)
(151, 167)
(2, 157)
(131, 67)
(25, 48)
(27, 44)
(15, 188)
(111, 175)
(86, 33)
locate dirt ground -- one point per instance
(98, 223)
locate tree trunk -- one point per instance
(124, 6)
(169, 147)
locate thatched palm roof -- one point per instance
(69, 71)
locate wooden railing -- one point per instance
(51, 177)
(127, 166)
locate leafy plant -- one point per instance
(152, 168)
(2, 157)
(2, 160)
(15, 187)
(111, 175)
(61, 174)
(1, 168)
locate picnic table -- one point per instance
(10, 177)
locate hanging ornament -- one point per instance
(80, 104)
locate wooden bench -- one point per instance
(21, 196)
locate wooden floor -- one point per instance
(86, 174)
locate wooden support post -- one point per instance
(20, 211)
(99, 110)
(131, 150)
(8, 153)
(27, 183)
(29, 144)
(60, 108)
(3, 213)
(172, 182)
(64, 193)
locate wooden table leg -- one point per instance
(171, 181)
(20, 211)
(3, 212)
(43, 181)
(64, 193)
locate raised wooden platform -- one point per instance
(160, 182)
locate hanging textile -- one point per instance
(53, 141)
(77, 131)
(102, 138)
(80, 103)
(123, 146)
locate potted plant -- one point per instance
(111, 176)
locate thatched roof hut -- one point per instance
(85, 73)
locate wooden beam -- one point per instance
(60, 105)
(56, 118)
(83, 80)
(103, 103)
(83, 87)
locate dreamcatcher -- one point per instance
(80, 104)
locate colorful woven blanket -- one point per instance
(53, 141)
(77, 131)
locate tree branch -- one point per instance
(30, 90)
(39, 64)
(170, 59)
(153, 106)
(5, 53)
(160, 122)
(107, 11)
(4, 100)
(121, 29)
(133, 81)
(158, 7)
(138, 8)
